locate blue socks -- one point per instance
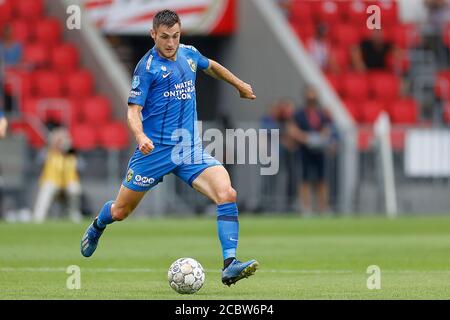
(105, 216)
(228, 228)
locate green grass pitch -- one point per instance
(317, 258)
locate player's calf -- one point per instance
(120, 213)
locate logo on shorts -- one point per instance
(136, 82)
(130, 174)
(144, 180)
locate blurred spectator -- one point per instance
(372, 53)
(319, 50)
(10, 56)
(312, 129)
(438, 16)
(59, 175)
(438, 12)
(280, 113)
(10, 50)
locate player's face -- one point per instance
(167, 40)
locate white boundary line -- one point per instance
(283, 271)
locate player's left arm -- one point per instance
(217, 71)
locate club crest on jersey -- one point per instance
(135, 83)
(192, 65)
(130, 174)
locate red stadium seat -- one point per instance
(398, 65)
(47, 84)
(18, 83)
(370, 110)
(398, 139)
(96, 110)
(384, 86)
(304, 31)
(21, 31)
(335, 81)
(80, 84)
(355, 11)
(29, 106)
(342, 57)
(36, 54)
(447, 112)
(389, 12)
(354, 110)
(34, 137)
(365, 139)
(404, 35)
(404, 111)
(301, 12)
(442, 84)
(113, 136)
(345, 35)
(355, 86)
(65, 57)
(48, 31)
(6, 11)
(30, 9)
(59, 110)
(84, 137)
(327, 11)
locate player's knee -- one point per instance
(120, 213)
(226, 195)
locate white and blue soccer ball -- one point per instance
(186, 276)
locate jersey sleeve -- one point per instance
(202, 61)
(140, 85)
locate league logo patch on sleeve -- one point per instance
(135, 83)
(192, 65)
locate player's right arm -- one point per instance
(135, 123)
(140, 86)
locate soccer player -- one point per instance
(162, 115)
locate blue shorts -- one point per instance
(146, 171)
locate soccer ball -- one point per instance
(186, 276)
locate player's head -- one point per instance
(311, 96)
(377, 36)
(166, 33)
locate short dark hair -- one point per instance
(166, 17)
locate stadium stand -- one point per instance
(51, 85)
(366, 93)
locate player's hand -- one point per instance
(246, 91)
(145, 144)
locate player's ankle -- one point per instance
(227, 262)
(96, 226)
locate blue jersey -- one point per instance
(166, 91)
